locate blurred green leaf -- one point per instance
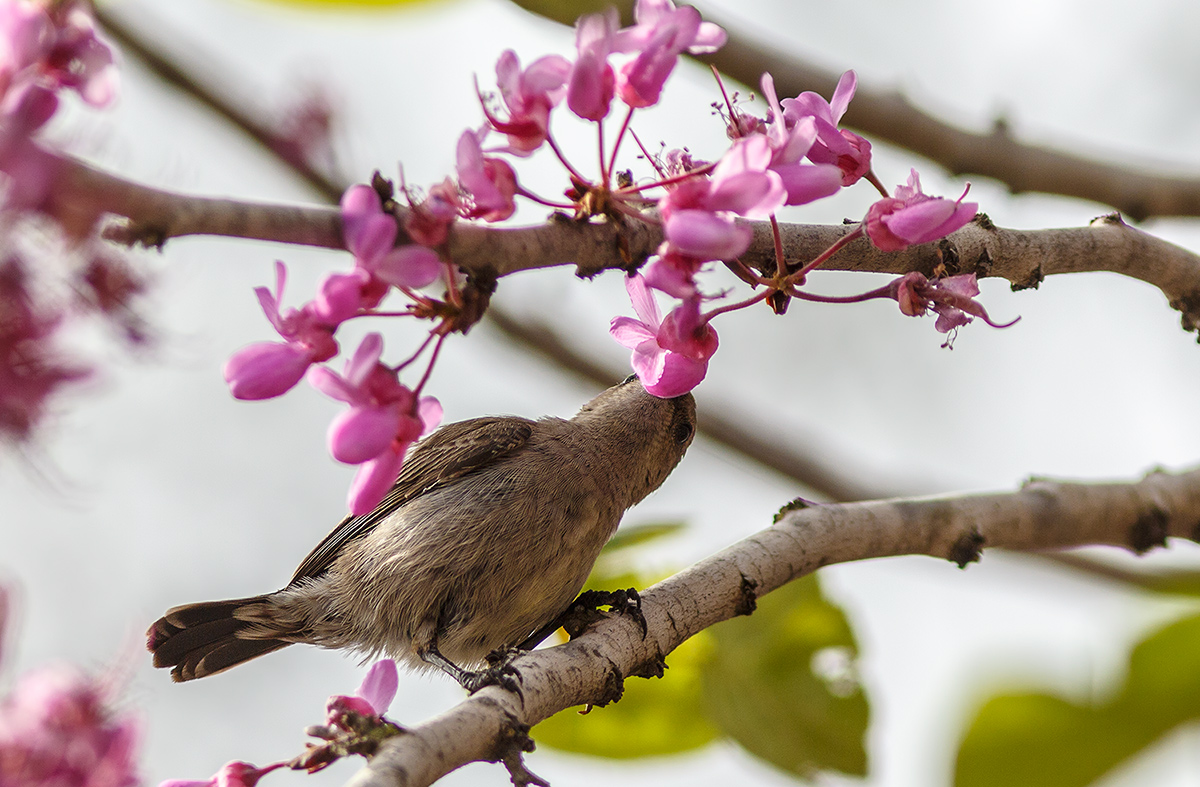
(763, 692)
(655, 717)
(636, 535)
(1039, 739)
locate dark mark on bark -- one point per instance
(1149, 531)
(967, 549)
(748, 600)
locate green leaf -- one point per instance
(1039, 739)
(636, 535)
(655, 717)
(763, 692)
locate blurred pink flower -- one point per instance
(660, 34)
(428, 222)
(529, 96)
(384, 419)
(31, 368)
(57, 729)
(670, 356)
(77, 59)
(845, 149)
(267, 369)
(52, 49)
(232, 774)
(912, 217)
(593, 82)
(490, 181)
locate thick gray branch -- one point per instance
(1041, 515)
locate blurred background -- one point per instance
(152, 487)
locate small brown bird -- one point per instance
(487, 536)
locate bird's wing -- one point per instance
(451, 452)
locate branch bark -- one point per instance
(1041, 515)
(1023, 257)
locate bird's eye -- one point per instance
(683, 432)
(629, 379)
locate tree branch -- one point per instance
(1023, 257)
(1041, 515)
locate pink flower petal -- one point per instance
(679, 375)
(806, 183)
(362, 433)
(335, 386)
(363, 362)
(629, 332)
(643, 301)
(429, 410)
(409, 266)
(842, 95)
(706, 236)
(359, 203)
(373, 480)
(339, 296)
(266, 369)
(379, 687)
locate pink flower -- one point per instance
(790, 139)
(384, 419)
(428, 223)
(56, 728)
(529, 96)
(372, 698)
(697, 213)
(670, 355)
(913, 217)
(593, 83)
(232, 774)
(652, 15)
(77, 59)
(674, 274)
(490, 181)
(370, 235)
(54, 50)
(267, 369)
(951, 298)
(31, 368)
(845, 149)
(662, 32)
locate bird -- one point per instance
(486, 537)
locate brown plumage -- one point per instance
(488, 535)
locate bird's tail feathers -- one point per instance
(198, 640)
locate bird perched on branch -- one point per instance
(486, 537)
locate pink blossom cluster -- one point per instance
(345, 717)
(45, 48)
(795, 155)
(58, 728)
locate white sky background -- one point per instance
(156, 488)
